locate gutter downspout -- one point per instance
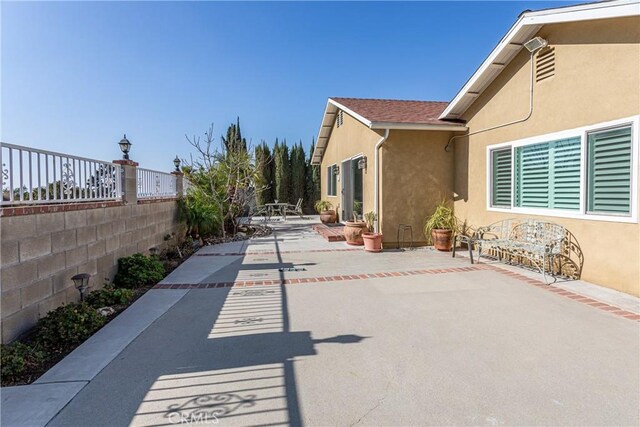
(447, 147)
(376, 177)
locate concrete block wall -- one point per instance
(42, 247)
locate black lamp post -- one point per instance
(176, 162)
(81, 282)
(125, 146)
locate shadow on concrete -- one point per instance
(248, 374)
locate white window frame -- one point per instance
(582, 132)
(335, 190)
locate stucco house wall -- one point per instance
(346, 141)
(597, 79)
(416, 174)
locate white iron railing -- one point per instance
(155, 184)
(32, 176)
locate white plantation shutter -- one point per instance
(501, 178)
(548, 175)
(609, 171)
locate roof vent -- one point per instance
(545, 64)
(339, 119)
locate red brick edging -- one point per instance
(568, 294)
(537, 283)
(61, 207)
(68, 207)
(242, 283)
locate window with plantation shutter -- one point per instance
(588, 172)
(501, 178)
(609, 171)
(547, 175)
(332, 181)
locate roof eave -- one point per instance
(527, 25)
(418, 126)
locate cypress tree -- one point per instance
(282, 172)
(298, 167)
(312, 190)
(234, 142)
(264, 167)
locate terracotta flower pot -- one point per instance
(372, 241)
(328, 217)
(353, 232)
(441, 239)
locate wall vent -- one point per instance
(339, 119)
(545, 64)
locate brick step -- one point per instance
(331, 233)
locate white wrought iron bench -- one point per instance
(548, 247)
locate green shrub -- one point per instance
(109, 296)
(68, 325)
(138, 270)
(16, 358)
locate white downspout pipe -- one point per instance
(376, 177)
(529, 114)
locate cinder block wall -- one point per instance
(42, 247)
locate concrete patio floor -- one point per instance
(445, 344)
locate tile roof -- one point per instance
(397, 111)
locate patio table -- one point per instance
(280, 208)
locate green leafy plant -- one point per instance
(323, 205)
(109, 296)
(17, 358)
(441, 219)
(68, 325)
(357, 208)
(138, 270)
(200, 214)
(370, 218)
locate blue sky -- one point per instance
(77, 75)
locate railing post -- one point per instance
(179, 183)
(129, 180)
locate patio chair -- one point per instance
(295, 209)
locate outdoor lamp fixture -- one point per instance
(362, 163)
(336, 170)
(125, 146)
(81, 282)
(535, 44)
(176, 162)
(154, 251)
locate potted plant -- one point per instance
(440, 226)
(353, 229)
(327, 214)
(372, 240)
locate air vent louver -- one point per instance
(545, 64)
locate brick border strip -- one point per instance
(243, 283)
(278, 252)
(60, 207)
(568, 294)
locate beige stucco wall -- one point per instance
(416, 173)
(597, 79)
(346, 141)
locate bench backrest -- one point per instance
(537, 232)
